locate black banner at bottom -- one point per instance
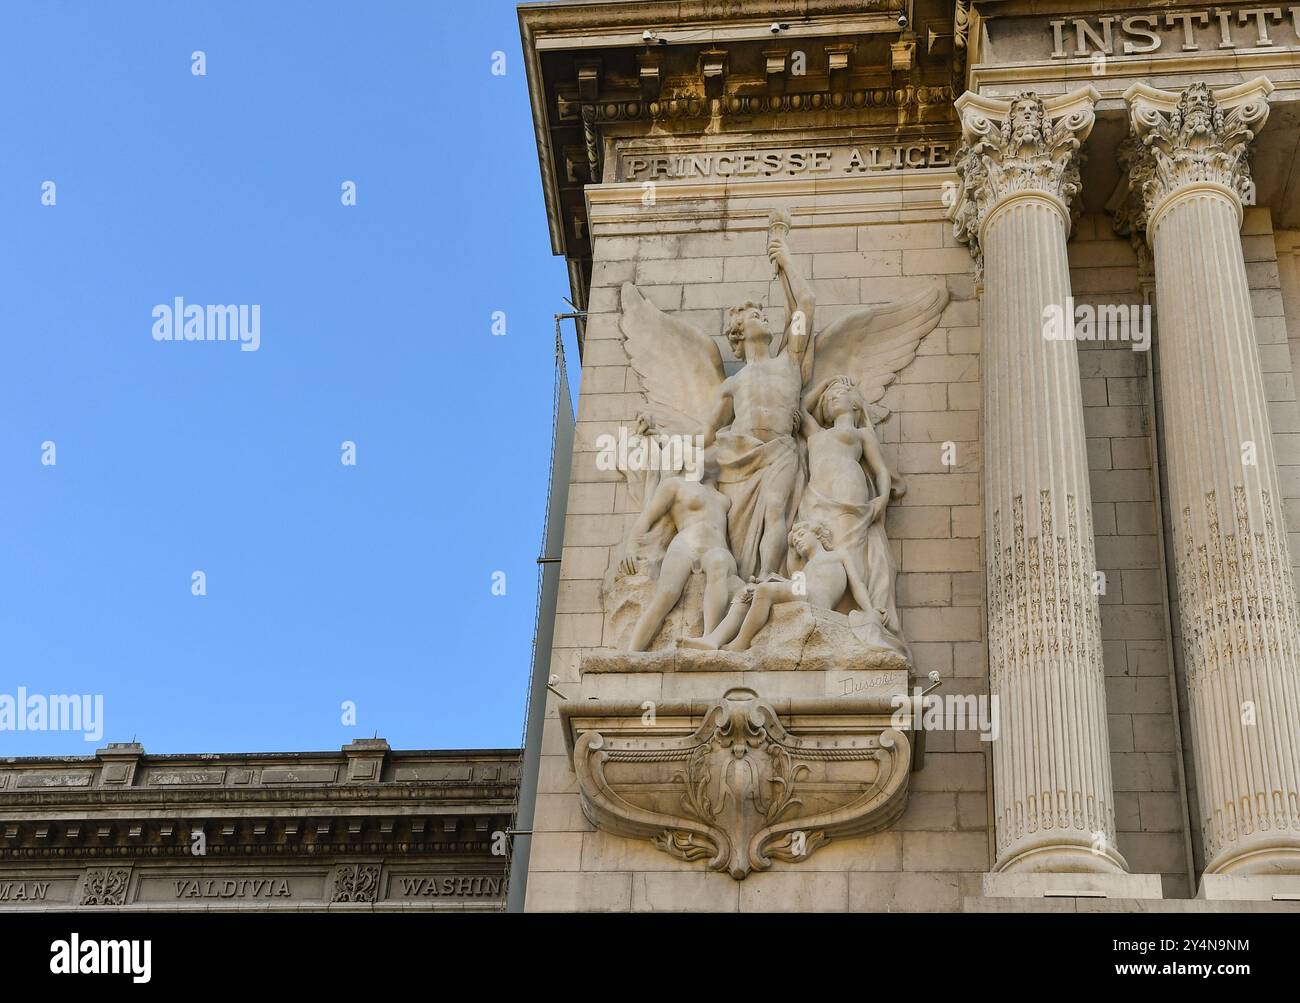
(143, 951)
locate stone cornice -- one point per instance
(332, 798)
(287, 823)
(124, 804)
(1196, 137)
(718, 68)
(1077, 71)
(1012, 146)
(921, 191)
(579, 23)
(698, 107)
(126, 767)
(415, 819)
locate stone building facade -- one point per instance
(1055, 255)
(364, 829)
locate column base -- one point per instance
(1250, 887)
(1259, 855)
(1037, 885)
(1055, 854)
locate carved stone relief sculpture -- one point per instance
(788, 438)
(759, 545)
(740, 788)
(356, 883)
(105, 886)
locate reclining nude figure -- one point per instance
(827, 575)
(697, 512)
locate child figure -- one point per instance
(697, 513)
(826, 575)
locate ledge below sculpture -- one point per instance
(738, 782)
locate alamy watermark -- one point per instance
(667, 452)
(178, 321)
(1108, 322)
(75, 956)
(949, 712)
(57, 712)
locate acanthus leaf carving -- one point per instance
(741, 790)
(105, 886)
(1025, 143)
(1194, 136)
(356, 883)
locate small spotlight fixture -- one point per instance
(651, 38)
(778, 27)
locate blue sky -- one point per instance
(325, 583)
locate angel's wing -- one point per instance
(872, 345)
(680, 368)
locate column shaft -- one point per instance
(1051, 770)
(1053, 802)
(1236, 593)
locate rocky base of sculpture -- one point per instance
(798, 637)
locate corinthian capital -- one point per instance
(1020, 144)
(1196, 137)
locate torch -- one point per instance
(778, 227)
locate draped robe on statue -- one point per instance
(760, 466)
(849, 521)
(866, 542)
(749, 471)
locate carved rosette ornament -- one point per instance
(356, 883)
(740, 790)
(1024, 144)
(105, 886)
(1236, 591)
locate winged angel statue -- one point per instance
(794, 487)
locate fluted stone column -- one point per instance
(1019, 170)
(1237, 599)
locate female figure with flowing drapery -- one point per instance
(849, 488)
